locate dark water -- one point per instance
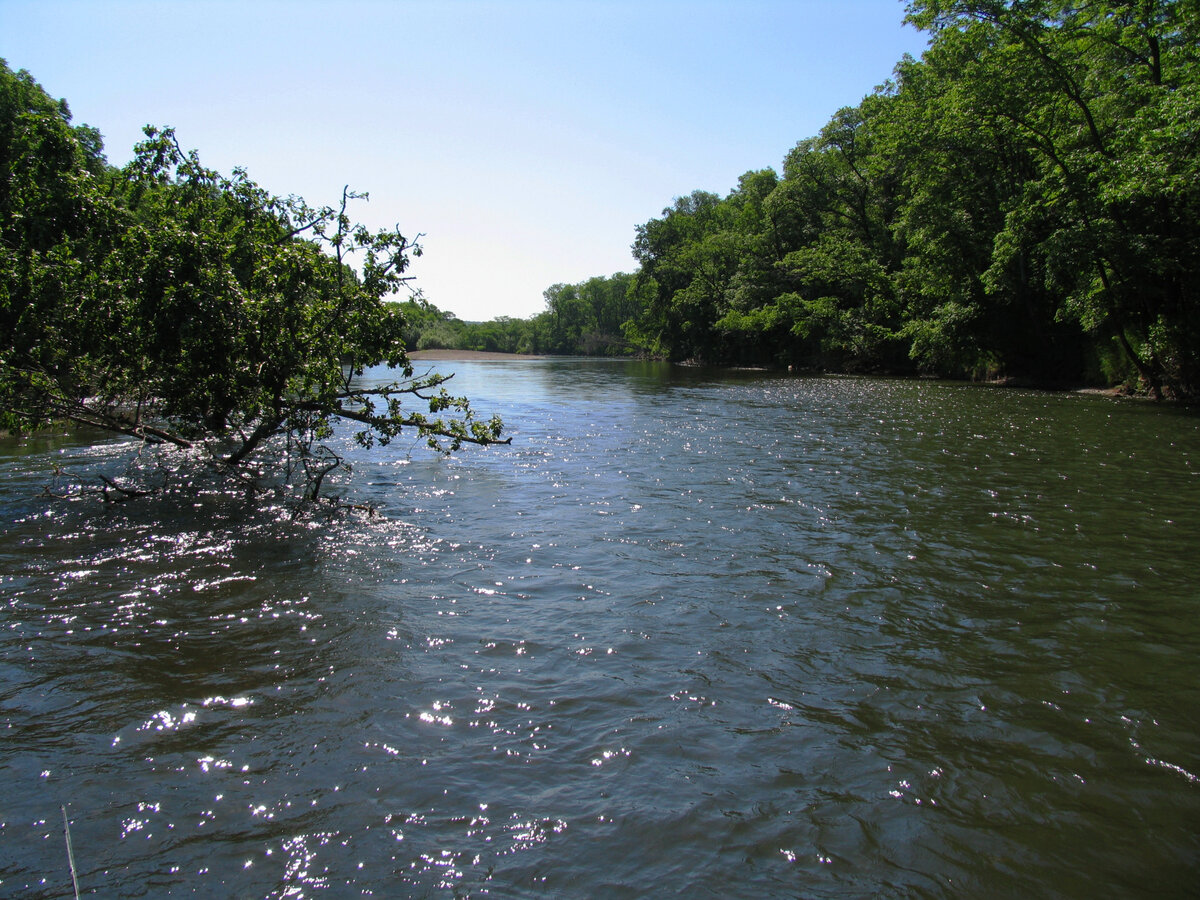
(692, 635)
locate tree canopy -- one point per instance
(167, 301)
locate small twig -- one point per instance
(70, 852)
(127, 493)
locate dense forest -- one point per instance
(1023, 202)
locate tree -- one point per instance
(568, 317)
(184, 307)
(1104, 97)
(688, 260)
(966, 169)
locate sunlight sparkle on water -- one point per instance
(779, 655)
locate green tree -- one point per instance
(966, 168)
(688, 259)
(55, 224)
(181, 306)
(1104, 96)
(816, 254)
(610, 307)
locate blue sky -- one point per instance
(526, 139)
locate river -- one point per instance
(694, 634)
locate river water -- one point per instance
(692, 634)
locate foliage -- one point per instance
(1088, 112)
(585, 319)
(167, 301)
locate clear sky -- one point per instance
(526, 139)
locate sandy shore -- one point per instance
(467, 354)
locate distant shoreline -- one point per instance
(468, 354)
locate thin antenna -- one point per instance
(70, 852)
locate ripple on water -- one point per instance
(693, 634)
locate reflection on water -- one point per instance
(693, 633)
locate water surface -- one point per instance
(693, 634)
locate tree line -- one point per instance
(1022, 202)
(588, 319)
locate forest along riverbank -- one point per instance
(694, 633)
(467, 355)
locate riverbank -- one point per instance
(418, 355)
